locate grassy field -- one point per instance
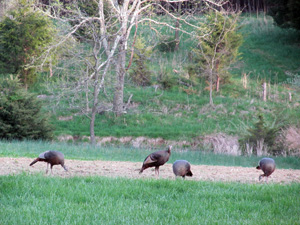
(95, 200)
(121, 153)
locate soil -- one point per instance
(10, 166)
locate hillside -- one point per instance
(182, 113)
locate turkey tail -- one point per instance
(34, 161)
(189, 174)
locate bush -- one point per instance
(24, 33)
(140, 73)
(20, 113)
(166, 80)
(167, 44)
(261, 139)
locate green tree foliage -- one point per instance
(219, 49)
(285, 13)
(20, 113)
(140, 73)
(24, 33)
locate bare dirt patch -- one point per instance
(9, 166)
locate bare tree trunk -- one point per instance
(290, 96)
(50, 69)
(119, 88)
(244, 81)
(257, 8)
(249, 6)
(94, 109)
(249, 149)
(177, 26)
(92, 126)
(264, 91)
(87, 108)
(177, 35)
(265, 7)
(218, 83)
(259, 147)
(211, 103)
(218, 77)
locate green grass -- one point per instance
(96, 200)
(268, 51)
(181, 121)
(123, 153)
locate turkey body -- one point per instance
(182, 168)
(156, 159)
(267, 165)
(52, 158)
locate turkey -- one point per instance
(52, 158)
(156, 159)
(182, 168)
(267, 165)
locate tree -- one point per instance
(24, 33)
(104, 29)
(89, 61)
(20, 113)
(285, 13)
(139, 72)
(217, 46)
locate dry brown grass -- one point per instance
(223, 144)
(291, 140)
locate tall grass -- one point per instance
(95, 200)
(123, 153)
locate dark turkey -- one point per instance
(52, 158)
(182, 168)
(156, 159)
(267, 165)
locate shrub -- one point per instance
(140, 73)
(167, 44)
(20, 113)
(294, 80)
(261, 139)
(24, 33)
(166, 80)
